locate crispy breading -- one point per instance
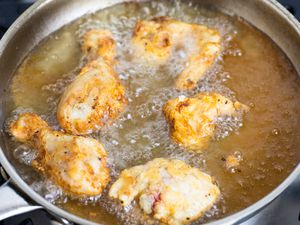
(99, 43)
(192, 119)
(76, 164)
(155, 40)
(96, 97)
(232, 161)
(93, 99)
(170, 190)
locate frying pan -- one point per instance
(47, 16)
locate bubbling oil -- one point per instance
(251, 69)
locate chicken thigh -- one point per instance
(76, 164)
(155, 40)
(96, 96)
(170, 190)
(192, 120)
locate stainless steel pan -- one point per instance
(46, 16)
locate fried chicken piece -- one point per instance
(96, 96)
(155, 40)
(99, 43)
(152, 41)
(170, 190)
(93, 99)
(192, 119)
(76, 164)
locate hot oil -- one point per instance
(251, 69)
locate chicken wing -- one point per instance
(192, 119)
(170, 190)
(96, 96)
(76, 164)
(154, 40)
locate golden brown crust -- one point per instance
(170, 190)
(232, 161)
(192, 119)
(99, 43)
(70, 163)
(197, 66)
(76, 164)
(96, 97)
(154, 40)
(26, 126)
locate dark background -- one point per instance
(292, 5)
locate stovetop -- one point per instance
(285, 210)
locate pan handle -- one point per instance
(12, 203)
